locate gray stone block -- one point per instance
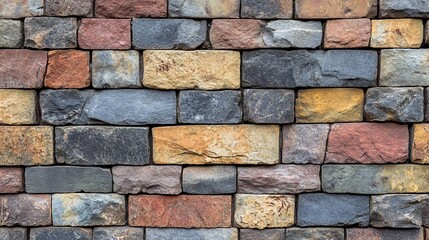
(292, 33)
(82, 8)
(210, 180)
(191, 234)
(265, 234)
(314, 233)
(404, 8)
(11, 33)
(50, 32)
(384, 234)
(204, 8)
(118, 233)
(63, 233)
(266, 9)
(15, 233)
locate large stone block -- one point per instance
(293, 34)
(105, 33)
(32, 210)
(204, 8)
(191, 234)
(18, 107)
(11, 33)
(130, 8)
(404, 8)
(210, 180)
(21, 8)
(397, 33)
(50, 32)
(321, 9)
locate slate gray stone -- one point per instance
(191, 234)
(404, 8)
(16, 233)
(59, 179)
(210, 107)
(384, 234)
(118, 233)
(293, 33)
(102, 145)
(63, 233)
(11, 33)
(314, 233)
(21, 8)
(321, 209)
(302, 68)
(210, 180)
(266, 9)
(50, 32)
(204, 8)
(269, 106)
(266, 234)
(81, 8)
(395, 104)
(186, 34)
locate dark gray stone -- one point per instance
(384, 234)
(63, 233)
(269, 106)
(210, 180)
(395, 104)
(118, 233)
(314, 233)
(404, 8)
(191, 234)
(50, 32)
(266, 9)
(321, 209)
(102, 145)
(210, 107)
(265, 234)
(13, 233)
(301, 68)
(58, 179)
(293, 33)
(81, 8)
(11, 33)
(149, 33)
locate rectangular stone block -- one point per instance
(11, 180)
(267, 9)
(347, 33)
(420, 149)
(236, 34)
(15, 233)
(322, 9)
(21, 8)
(403, 8)
(204, 8)
(50, 32)
(384, 234)
(81, 8)
(179, 234)
(315, 233)
(32, 210)
(46, 233)
(221, 144)
(290, 34)
(112, 233)
(18, 107)
(267, 234)
(210, 180)
(182, 211)
(105, 34)
(397, 33)
(130, 9)
(11, 33)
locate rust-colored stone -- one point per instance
(130, 8)
(11, 180)
(347, 33)
(25, 210)
(105, 34)
(236, 34)
(420, 150)
(322, 9)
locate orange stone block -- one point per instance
(236, 34)
(323, 9)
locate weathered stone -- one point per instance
(191, 234)
(88, 209)
(367, 143)
(204, 8)
(292, 33)
(11, 181)
(22, 68)
(426, 104)
(25, 210)
(117, 233)
(347, 33)
(426, 234)
(404, 8)
(322, 9)
(266, 234)
(266, 9)
(269, 105)
(150, 33)
(384, 234)
(321, 209)
(314, 233)
(300, 68)
(304, 143)
(188, 70)
(420, 145)
(18, 107)
(200, 211)
(115, 69)
(15, 233)
(21, 8)
(59, 179)
(130, 8)
(210, 180)
(66, 233)
(236, 34)
(26, 145)
(105, 33)
(210, 107)
(397, 33)
(279, 179)
(426, 40)
(147, 179)
(315, 105)
(82, 8)
(102, 145)
(264, 211)
(222, 144)
(50, 32)
(11, 33)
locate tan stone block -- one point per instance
(347, 33)
(322, 9)
(397, 33)
(18, 107)
(420, 147)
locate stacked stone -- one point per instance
(214, 119)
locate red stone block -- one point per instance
(347, 33)
(11, 180)
(130, 8)
(105, 34)
(236, 34)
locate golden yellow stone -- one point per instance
(397, 33)
(420, 150)
(405, 178)
(17, 107)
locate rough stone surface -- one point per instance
(267, 9)
(347, 33)
(321, 9)
(224, 144)
(102, 145)
(384, 234)
(59, 179)
(50, 32)
(304, 143)
(130, 8)
(333, 210)
(21, 8)
(426, 40)
(397, 33)
(187, 34)
(269, 105)
(204, 8)
(236, 34)
(105, 33)
(81, 8)
(300, 68)
(187, 70)
(210, 180)
(210, 107)
(404, 8)
(147, 179)
(88, 209)
(115, 69)
(11, 33)
(118, 233)
(200, 211)
(25, 210)
(264, 211)
(279, 179)
(15, 233)
(11, 181)
(18, 107)
(420, 144)
(314, 233)
(292, 33)
(191, 234)
(367, 143)
(66, 233)
(317, 105)
(266, 234)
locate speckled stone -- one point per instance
(384, 234)
(64, 233)
(81, 8)
(267, 9)
(118, 233)
(32, 210)
(314, 233)
(21, 8)
(50, 32)
(11, 33)
(15, 233)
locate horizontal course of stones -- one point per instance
(214, 119)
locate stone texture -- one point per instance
(300, 68)
(66, 233)
(88, 209)
(316, 105)
(315, 233)
(269, 105)
(404, 8)
(279, 179)
(426, 40)
(59, 179)
(187, 34)
(223, 144)
(375, 179)
(267, 9)
(210, 180)
(322, 9)
(50, 32)
(18, 107)
(420, 144)
(293, 34)
(105, 33)
(15, 233)
(397, 33)
(81, 8)
(102, 145)
(11, 181)
(347, 33)
(264, 211)
(266, 234)
(204, 8)
(26, 145)
(116, 69)
(68, 69)
(236, 34)
(11, 33)
(130, 8)
(210, 107)
(147, 179)
(200, 211)
(367, 143)
(188, 70)
(333, 210)
(22, 68)
(117, 233)
(191, 234)
(21, 8)
(384, 234)
(304, 143)
(25, 210)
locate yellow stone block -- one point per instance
(420, 149)
(18, 107)
(397, 33)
